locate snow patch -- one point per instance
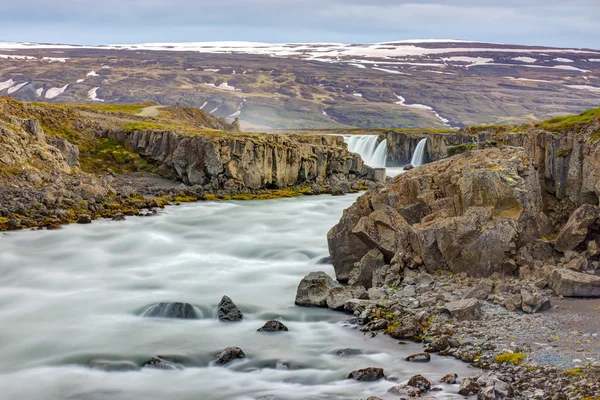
(585, 87)
(527, 79)
(470, 60)
(80, 80)
(358, 65)
(402, 102)
(223, 86)
(212, 69)
(6, 84)
(39, 91)
(594, 59)
(391, 71)
(92, 73)
(55, 59)
(56, 91)
(93, 94)
(564, 60)
(16, 57)
(16, 87)
(528, 60)
(203, 105)
(355, 94)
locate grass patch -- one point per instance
(563, 153)
(117, 108)
(461, 148)
(143, 126)
(510, 358)
(574, 372)
(109, 155)
(562, 123)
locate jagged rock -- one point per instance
(487, 393)
(356, 304)
(70, 152)
(172, 310)
(161, 363)
(440, 344)
(468, 387)
(464, 309)
(273, 326)
(576, 229)
(113, 366)
(419, 357)
(513, 302)
(534, 302)
(450, 379)
(338, 296)
(229, 354)
(228, 311)
(314, 288)
(406, 328)
(420, 382)
(363, 272)
(367, 374)
(574, 284)
(348, 352)
(405, 390)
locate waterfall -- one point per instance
(418, 157)
(373, 154)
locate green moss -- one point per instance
(574, 372)
(107, 154)
(569, 121)
(116, 108)
(3, 220)
(563, 153)
(510, 358)
(461, 148)
(143, 126)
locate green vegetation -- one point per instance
(563, 123)
(461, 148)
(109, 155)
(267, 195)
(117, 108)
(563, 153)
(574, 372)
(510, 358)
(143, 126)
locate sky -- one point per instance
(561, 23)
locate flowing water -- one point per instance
(373, 154)
(418, 157)
(77, 294)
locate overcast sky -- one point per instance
(572, 23)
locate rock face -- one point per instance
(314, 289)
(574, 284)
(466, 214)
(172, 310)
(250, 162)
(367, 374)
(228, 311)
(229, 354)
(576, 229)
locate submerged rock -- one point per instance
(172, 310)
(228, 311)
(367, 374)
(314, 288)
(450, 379)
(348, 352)
(160, 363)
(229, 354)
(273, 326)
(113, 366)
(419, 357)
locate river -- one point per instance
(76, 294)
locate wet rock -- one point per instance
(229, 354)
(405, 390)
(339, 295)
(118, 217)
(273, 326)
(228, 311)
(468, 387)
(367, 374)
(450, 379)
(172, 310)
(161, 363)
(84, 219)
(534, 302)
(576, 229)
(314, 288)
(348, 352)
(420, 382)
(466, 309)
(574, 284)
(408, 167)
(113, 366)
(419, 357)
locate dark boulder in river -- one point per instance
(229, 354)
(367, 374)
(161, 363)
(228, 311)
(273, 326)
(172, 310)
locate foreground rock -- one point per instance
(468, 387)
(228, 311)
(576, 229)
(367, 374)
(228, 355)
(574, 284)
(273, 326)
(172, 310)
(314, 289)
(420, 382)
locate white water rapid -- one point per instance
(418, 157)
(372, 153)
(76, 294)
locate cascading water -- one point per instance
(373, 154)
(418, 157)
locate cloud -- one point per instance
(547, 22)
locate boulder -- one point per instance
(450, 379)
(229, 354)
(468, 387)
(314, 288)
(385, 230)
(574, 284)
(405, 391)
(338, 296)
(406, 328)
(273, 326)
(84, 219)
(113, 366)
(576, 229)
(487, 393)
(419, 357)
(440, 344)
(480, 291)
(534, 302)
(161, 363)
(408, 167)
(420, 382)
(364, 270)
(228, 311)
(172, 310)
(465, 309)
(367, 374)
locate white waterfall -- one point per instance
(418, 157)
(373, 154)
